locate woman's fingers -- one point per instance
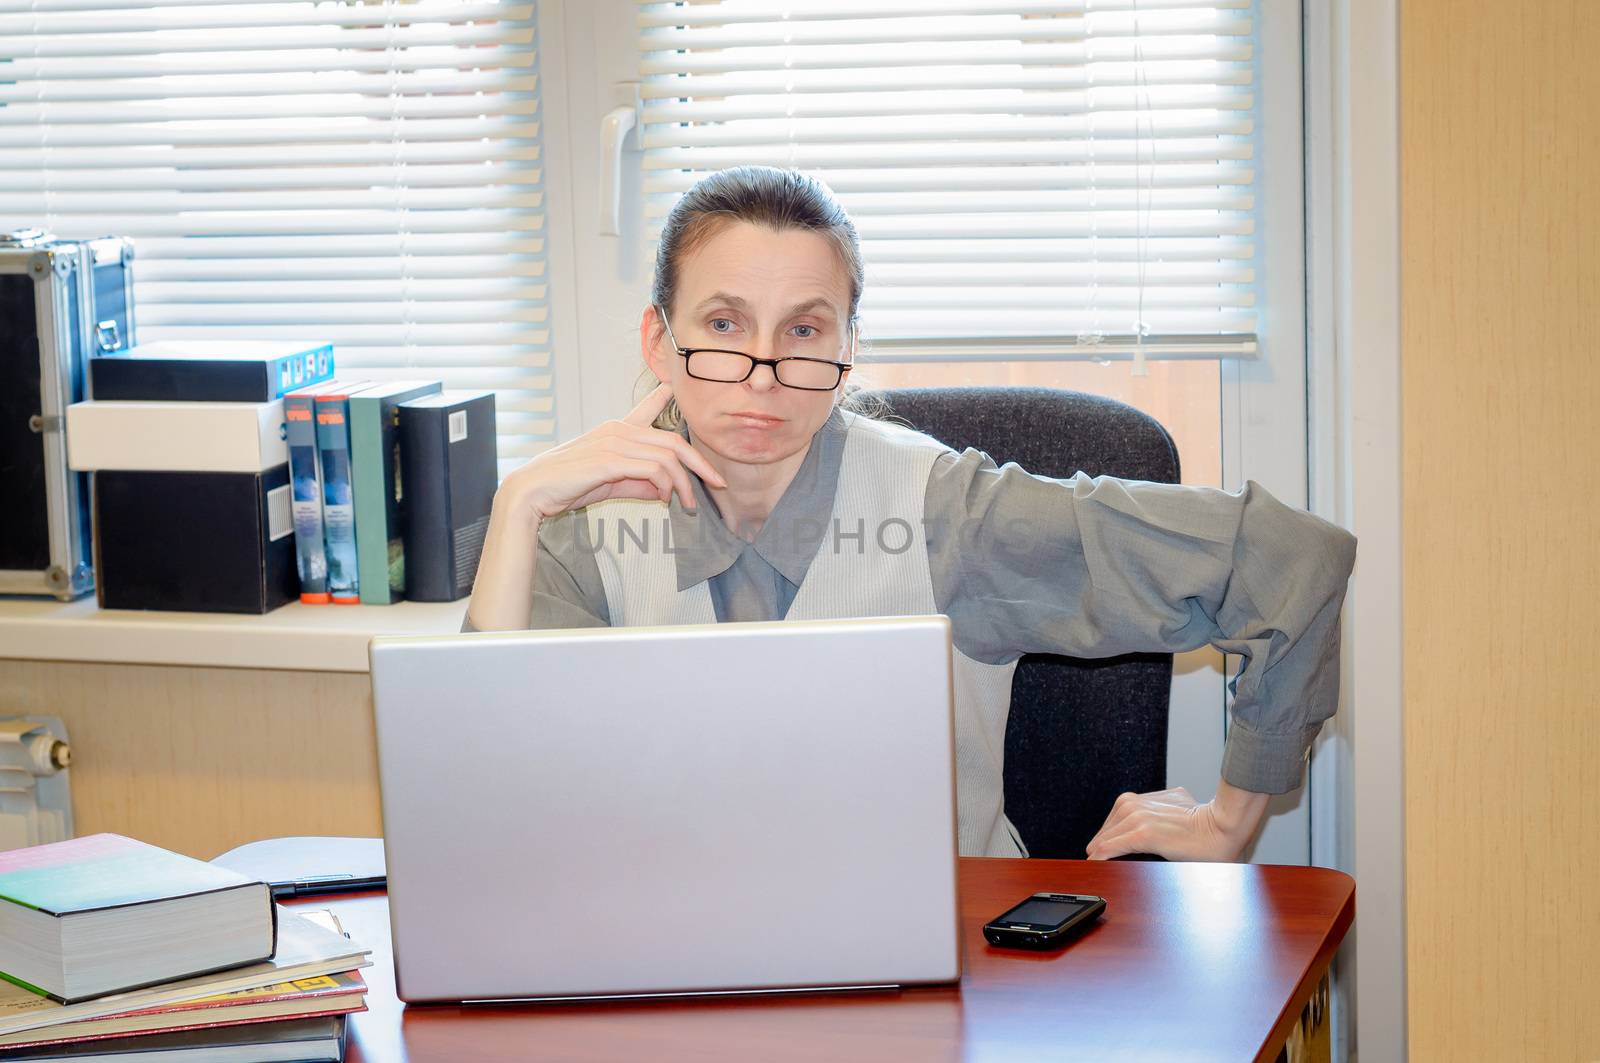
(680, 446)
(643, 469)
(665, 457)
(1175, 831)
(650, 407)
(1128, 803)
(693, 458)
(651, 462)
(1141, 831)
(1140, 821)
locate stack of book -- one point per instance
(191, 473)
(113, 949)
(236, 477)
(393, 484)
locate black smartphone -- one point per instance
(1043, 921)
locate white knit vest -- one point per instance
(873, 561)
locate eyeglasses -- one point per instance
(735, 367)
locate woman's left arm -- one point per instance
(1095, 567)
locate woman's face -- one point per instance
(764, 293)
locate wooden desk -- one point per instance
(1191, 962)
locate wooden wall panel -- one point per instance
(1500, 234)
(203, 759)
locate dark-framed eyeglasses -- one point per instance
(735, 367)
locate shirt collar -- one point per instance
(704, 546)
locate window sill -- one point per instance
(300, 638)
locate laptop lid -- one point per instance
(718, 808)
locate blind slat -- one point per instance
(315, 314)
(850, 184)
(286, 201)
(1033, 250)
(654, 14)
(127, 89)
(961, 323)
(269, 109)
(312, 223)
(857, 156)
(224, 17)
(789, 107)
(98, 44)
(269, 247)
(280, 178)
(387, 335)
(303, 61)
(401, 362)
(792, 34)
(270, 131)
(797, 84)
(825, 132)
(886, 299)
(432, 268)
(729, 60)
(1058, 273)
(288, 288)
(167, 158)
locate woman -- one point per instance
(775, 501)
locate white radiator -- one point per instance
(35, 791)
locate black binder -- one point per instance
(448, 476)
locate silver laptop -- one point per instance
(710, 809)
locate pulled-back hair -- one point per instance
(775, 199)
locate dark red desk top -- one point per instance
(1191, 962)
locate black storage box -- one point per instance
(61, 303)
(213, 542)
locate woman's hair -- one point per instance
(775, 199)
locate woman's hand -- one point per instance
(1173, 825)
(619, 459)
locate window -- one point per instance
(364, 173)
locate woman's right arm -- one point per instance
(619, 459)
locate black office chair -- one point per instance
(1081, 731)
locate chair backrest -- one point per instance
(1080, 731)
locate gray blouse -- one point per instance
(1087, 567)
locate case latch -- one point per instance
(107, 336)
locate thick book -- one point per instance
(305, 477)
(448, 475)
(209, 371)
(338, 504)
(308, 945)
(326, 994)
(104, 913)
(313, 1040)
(176, 436)
(375, 479)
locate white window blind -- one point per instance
(362, 173)
(1029, 179)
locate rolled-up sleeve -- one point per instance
(567, 591)
(1096, 567)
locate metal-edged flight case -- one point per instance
(61, 303)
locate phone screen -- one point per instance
(1043, 912)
